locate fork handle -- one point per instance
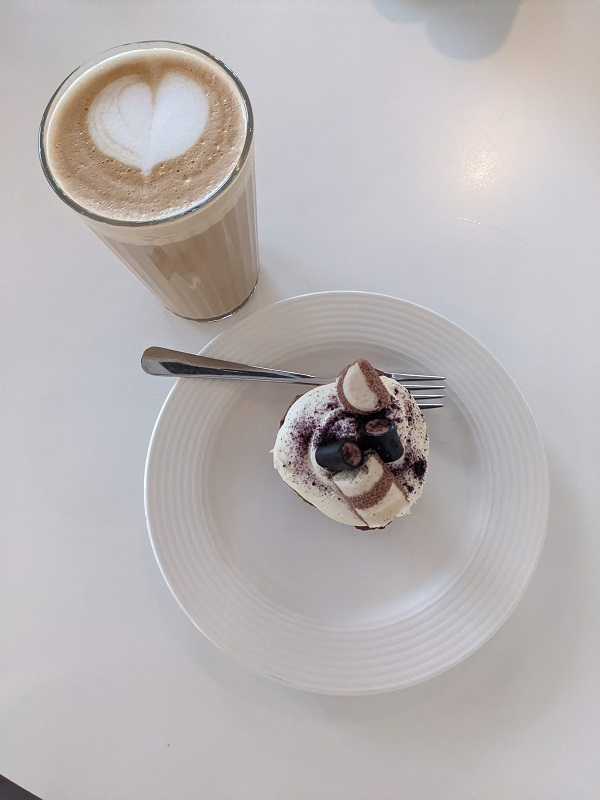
(161, 361)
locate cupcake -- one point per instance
(355, 449)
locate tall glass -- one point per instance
(203, 262)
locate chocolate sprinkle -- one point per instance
(420, 468)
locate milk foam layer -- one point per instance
(141, 128)
(319, 416)
(147, 134)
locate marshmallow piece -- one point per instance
(361, 390)
(372, 492)
(356, 483)
(393, 504)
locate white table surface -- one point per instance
(445, 151)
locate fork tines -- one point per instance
(419, 383)
(401, 377)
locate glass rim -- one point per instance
(66, 198)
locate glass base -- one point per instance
(222, 316)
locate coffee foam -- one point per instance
(146, 135)
(141, 128)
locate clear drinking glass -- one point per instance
(201, 263)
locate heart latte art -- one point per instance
(140, 127)
(146, 136)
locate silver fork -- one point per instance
(160, 361)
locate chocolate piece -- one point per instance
(381, 435)
(361, 390)
(339, 455)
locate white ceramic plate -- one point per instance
(304, 600)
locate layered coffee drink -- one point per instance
(152, 144)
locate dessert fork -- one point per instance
(161, 361)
